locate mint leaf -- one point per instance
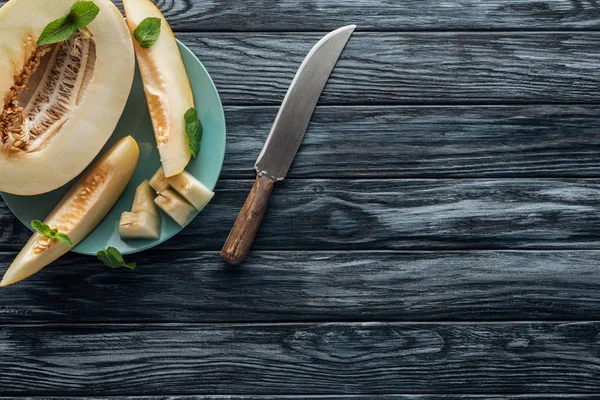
(50, 233)
(147, 32)
(102, 256)
(82, 13)
(193, 130)
(113, 258)
(61, 237)
(59, 30)
(56, 31)
(41, 228)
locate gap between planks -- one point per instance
(423, 31)
(474, 250)
(370, 106)
(400, 396)
(303, 323)
(417, 178)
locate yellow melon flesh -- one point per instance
(158, 182)
(80, 211)
(143, 201)
(139, 225)
(175, 207)
(192, 190)
(166, 85)
(76, 92)
(143, 222)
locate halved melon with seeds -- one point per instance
(80, 211)
(166, 85)
(59, 103)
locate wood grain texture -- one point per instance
(248, 222)
(316, 286)
(300, 359)
(280, 15)
(405, 68)
(409, 68)
(410, 214)
(427, 142)
(339, 320)
(395, 214)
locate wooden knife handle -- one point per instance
(248, 222)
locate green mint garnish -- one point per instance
(56, 31)
(147, 32)
(82, 13)
(50, 233)
(113, 258)
(59, 30)
(193, 130)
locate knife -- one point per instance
(284, 140)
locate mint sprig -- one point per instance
(50, 233)
(113, 258)
(147, 32)
(193, 130)
(61, 29)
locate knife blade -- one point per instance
(299, 104)
(285, 138)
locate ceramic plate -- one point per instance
(136, 122)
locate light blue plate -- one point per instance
(136, 122)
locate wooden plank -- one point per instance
(315, 286)
(300, 359)
(406, 68)
(410, 214)
(410, 68)
(323, 214)
(427, 142)
(280, 15)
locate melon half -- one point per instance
(59, 103)
(167, 87)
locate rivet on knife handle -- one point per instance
(248, 221)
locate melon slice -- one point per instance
(143, 222)
(166, 85)
(144, 200)
(191, 189)
(59, 103)
(158, 182)
(139, 225)
(80, 211)
(175, 207)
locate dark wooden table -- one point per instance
(439, 232)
